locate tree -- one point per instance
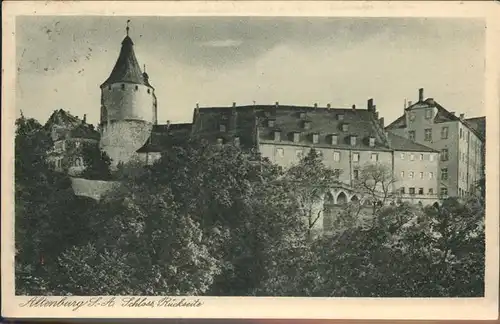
(309, 180)
(44, 225)
(375, 184)
(97, 163)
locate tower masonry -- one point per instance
(128, 107)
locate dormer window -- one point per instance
(277, 135)
(340, 117)
(353, 140)
(302, 115)
(296, 137)
(335, 139)
(270, 123)
(345, 127)
(372, 141)
(222, 127)
(307, 124)
(315, 138)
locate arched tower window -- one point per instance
(149, 90)
(136, 87)
(328, 212)
(123, 86)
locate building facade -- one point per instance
(460, 142)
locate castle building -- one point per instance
(460, 142)
(70, 135)
(347, 139)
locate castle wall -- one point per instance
(121, 139)
(94, 189)
(128, 101)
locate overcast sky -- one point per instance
(215, 61)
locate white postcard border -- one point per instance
(260, 307)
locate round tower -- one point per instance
(128, 107)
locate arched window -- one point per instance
(341, 199)
(328, 212)
(355, 199)
(136, 87)
(149, 90)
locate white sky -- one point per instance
(217, 60)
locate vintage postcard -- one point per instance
(250, 160)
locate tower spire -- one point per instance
(128, 27)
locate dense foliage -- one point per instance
(216, 220)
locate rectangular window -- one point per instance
(428, 113)
(353, 140)
(222, 127)
(402, 174)
(444, 174)
(277, 136)
(411, 174)
(444, 191)
(431, 157)
(280, 152)
(412, 157)
(402, 156)
(431, 191)
(336, 156)
(220, 141)
(421, 157)
(428, 135)
(345, 127)
(444, 155)
(444, 132)
(270, 123)
(315, 138)
(412, 190)
(355, 157)
(356, 174)
(461, 133)
(334, 139)
(420, 191)
(372, 141)
(340, 117)
(374, 157)
(236, 141)
(411, 135)
(421, 175)
(296, 137)
(431, 175)
(402, 190)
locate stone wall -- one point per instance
(94, 189)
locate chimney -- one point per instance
(376, 114)
(315, 105)
(370, 103)
(168, 124)
(462, 116)
(353, 107)
(234, 104)
(328, 106)
(421, 94)
(84, 121)
(277, 104)
(381, 122)
(197, 105)
(409, 103)
(452, 112)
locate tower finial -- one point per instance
(128, 27)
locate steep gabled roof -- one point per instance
(127, 67)
(325, 122)
(400, 122)
(164, 136)
(479, 124)
(399, 143)
(62, 124)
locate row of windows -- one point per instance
(123, 87)
(421, 157)
(444, 135)
(411, 175)
(280, 152)
(415, 191)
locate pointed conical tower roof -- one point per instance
(126, 69)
